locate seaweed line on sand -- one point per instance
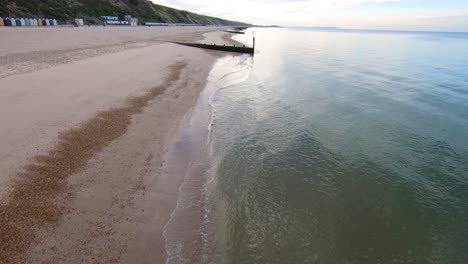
(33, 202)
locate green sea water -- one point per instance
(339, 147)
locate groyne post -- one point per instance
(254, 43)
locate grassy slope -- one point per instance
(91, 10)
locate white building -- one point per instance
(79, 22)
(132, 21)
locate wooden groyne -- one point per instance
(240, 28)
(235, 32)
(233, 48)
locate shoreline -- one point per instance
(189, 156)
(188, 233)
(117, 192)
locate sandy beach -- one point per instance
(88, 117)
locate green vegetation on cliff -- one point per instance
(91, 10)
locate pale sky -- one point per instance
(432, 15)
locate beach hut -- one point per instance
(2, 23)
(47, 22)
(52, 23)
(31, 22)
(8, 22)
(22, 22)
(27, 22)
(79, 22)
(55, 22)
(43, 22)
(18, 22)
(13, 22)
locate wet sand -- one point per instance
(87, 122)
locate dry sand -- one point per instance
(87, 118)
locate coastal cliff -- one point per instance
(144, 10)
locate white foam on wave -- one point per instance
(169, 252)
(227, 72)
(246, 67)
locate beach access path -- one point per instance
(87, 116)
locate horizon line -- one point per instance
(360, 29)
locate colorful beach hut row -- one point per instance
(27, 22)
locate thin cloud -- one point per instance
(340, 13)
(226, 7)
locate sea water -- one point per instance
(338, 146)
